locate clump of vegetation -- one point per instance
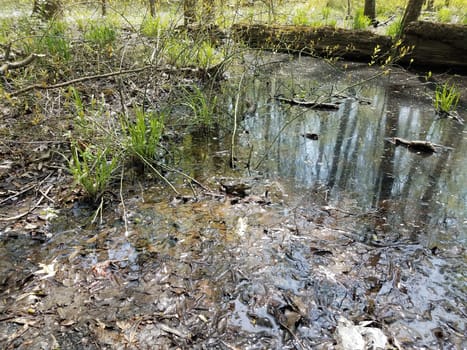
(202, 106)
(152, 27)
(144, 135)
(184, 52)
(444, 15)
(446, 98)
(92, 168)
(302, 17)
(101, 34)
(360, 21)
(55, 41)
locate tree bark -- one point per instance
(370, 10)
(152, 8)
(47, 9)
(189, 12)
(323, 41)
(412, 12)
(104, 7)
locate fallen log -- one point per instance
(437, 44)
(434, 44)
(321, 41)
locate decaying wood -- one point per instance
(435, 44)
(322, 41)
(309, 104)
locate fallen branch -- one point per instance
(100, 76)
(23, 63)
(308, 104)
(77, 80)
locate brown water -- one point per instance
(345, 225)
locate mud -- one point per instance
(271, 255)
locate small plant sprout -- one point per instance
(446, 98)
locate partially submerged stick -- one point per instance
(308, 104)
(416, 145)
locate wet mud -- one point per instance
(325, 236)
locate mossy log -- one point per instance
(435, 44)
(320, 41)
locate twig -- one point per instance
(232, 141)
(185, 175)
(98, 211)
(98, 76)
(174, 331)
(123, 203)
(19, 216)
(158, 173)
(18, 193)
(309, 104)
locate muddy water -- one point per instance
(347, 225)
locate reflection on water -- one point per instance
(353, 160)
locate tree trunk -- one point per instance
(430, 5)
(189, 12)
(370, 10)
(104, 7)
(435, 44)
(412, 11)
(152, 8)
(47, 9)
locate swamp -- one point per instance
(165, 184)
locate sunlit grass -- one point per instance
(92, 168)
(144, 134)
(360, 21)
(444, 15)
(446, 98)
